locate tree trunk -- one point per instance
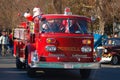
(101, 24)
(57, 6)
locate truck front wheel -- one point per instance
(31, 72)
(85, 73)
(19, 64)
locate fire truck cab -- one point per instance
(57, 41)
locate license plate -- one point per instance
(68, 65)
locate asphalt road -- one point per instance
(9, 72)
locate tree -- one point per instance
(57, 4)
(105, 11)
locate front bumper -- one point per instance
(66, 65)
(106, 59)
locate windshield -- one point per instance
(64, 26)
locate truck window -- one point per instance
(64, 26)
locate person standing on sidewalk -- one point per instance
(0, 43)
(4, 42)
(10, 37)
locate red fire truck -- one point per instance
(55, 41)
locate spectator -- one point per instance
(4, 42)
(11, 42)
(0, 44)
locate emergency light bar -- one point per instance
(67, 11)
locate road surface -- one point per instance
(8, 71)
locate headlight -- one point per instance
(50, 48)
(86, 49)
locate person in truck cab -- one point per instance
(45, 28)
(72, 26)
(51, 26)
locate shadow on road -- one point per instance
(59, 75)
(16, 74)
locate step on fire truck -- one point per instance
(55, 41)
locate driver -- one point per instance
(45, 28)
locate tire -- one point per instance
(26, 59)
(85, 73)
(115, 60)
(31, 72)
(25, 65)
(19, 64)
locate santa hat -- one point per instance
(36, 11)
(28, 16)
